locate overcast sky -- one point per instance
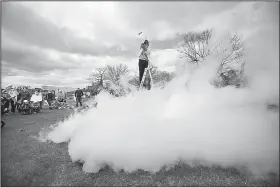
(60, 43)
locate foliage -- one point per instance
(108, 79)
(194, 46)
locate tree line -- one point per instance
(108, 79)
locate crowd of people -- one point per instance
(12, 98)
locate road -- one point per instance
(29, 162)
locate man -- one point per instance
(13, 99)
(36, 97)
(39, 94)
(61, 97)
(49, 97)
(24, 94)
(4, 101)
(78, 94)
(42, 101)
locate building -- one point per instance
(57, 89)
(89, 88)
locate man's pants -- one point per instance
(49, 101)
(79, 100)
(13, 106)
(142, 65)
(6, 104)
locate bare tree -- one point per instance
(114, 73)
(159, 77)
(98, 76)
(164, 76)
(194, 46)
(134, 81)
(233, 53)
(231, 68)
(108, 78)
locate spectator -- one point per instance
(78, 94)
(24, 94)
(4, 100)
(50, 97)
(61, 97)
(13, 99)
(18, 98)
(36, 97)
(42, 101)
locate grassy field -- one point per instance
(29, 162)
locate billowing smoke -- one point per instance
(187, 120)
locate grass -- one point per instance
(28, 162)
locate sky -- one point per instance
(61, 43)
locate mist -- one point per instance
(188, 120)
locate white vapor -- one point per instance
(192, 121)
(150, 129)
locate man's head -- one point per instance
(146, 42)
(24, 89)
(78, 89)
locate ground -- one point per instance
(29, 162)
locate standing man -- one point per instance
(24, 94)
(78, 94)
(61, 97)
(50, 97)
(5, 100)
(39, 94)
(42, 101)
(13, 99)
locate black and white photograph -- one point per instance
(139, 93)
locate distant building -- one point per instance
(57, 89)
(89, 87)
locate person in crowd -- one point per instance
(24, 95)
(78, 94)
(50, 97)
(61, 96)
(4, 101)
(13, 99)
(42, 101)
(37, 97)
(18, 98)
